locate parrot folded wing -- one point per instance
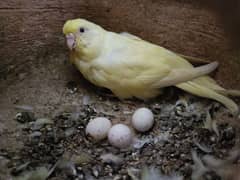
(135, 77)
(191, 59)
(155, 74)
(194, 60)
(182, 75)
(126, 34)
(125, 61)
(229, 92)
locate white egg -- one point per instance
(120, 136)
(98, 128)
(142, 119)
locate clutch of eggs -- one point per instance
(120, 135)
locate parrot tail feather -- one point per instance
(182, 75)
(194, 59)
(229, 92)
(202, 91)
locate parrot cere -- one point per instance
(132, 67)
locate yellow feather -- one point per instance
(132, 67)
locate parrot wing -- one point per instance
(202, 86)
(194, 60)
(131, 36)
(138, 62)
(182, 75)
(128, 72)
(191, 59)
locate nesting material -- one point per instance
(120, 136)
(98, 128)
(142, 119)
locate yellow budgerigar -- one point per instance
(132, 67)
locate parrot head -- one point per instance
(83, 37)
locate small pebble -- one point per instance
(24, 107)
(111, 159)
(95, 172)
(69, 132)
(24, 117)
(86, 100)
(35, 134)
(82, 158)
(39, 123)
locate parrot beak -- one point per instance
(71, 41)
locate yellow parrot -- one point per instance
(132, 67)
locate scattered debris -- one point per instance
(40, 173)
(202, 147)
(132, 172)
(72, 87)
(81, 158)
(24, 107)
(110, 158)
(24, 117)
(86, 100)
(211, 124)
(219, 168)
(39, 123)
(58, 147)
(155, 174)
(161, 138)
(198, 167)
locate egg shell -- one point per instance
(120, 136)
(142, 119)
(98, 128)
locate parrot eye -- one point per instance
(82, 30)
